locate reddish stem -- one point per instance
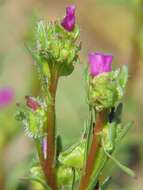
(48, 164)
(92, 153)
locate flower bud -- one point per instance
(106, 89)
(32, 103)
(33, 116)
(56, 46)
(64, 177)
(69, 20)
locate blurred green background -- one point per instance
(114, 26)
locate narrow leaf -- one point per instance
(38, 181)
(105, 184)
(73, 180)
(124, 168)
(123, 132)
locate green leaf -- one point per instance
(123, 132)
(33, 53)
(89, 127)
(38, 180)
(123, 76)
(124, 168)
(74, 178)
(105, 184)
(59, 144)
(66, 70)
(74, 156)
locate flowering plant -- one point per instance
(56, 51)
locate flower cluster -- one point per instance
(79, 166)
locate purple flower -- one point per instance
(6, 96)
(69, 20)
(99, 63)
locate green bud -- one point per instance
(64, 176)
(56, 46)
(32, 120)
(105, 90)
(74, 156)
(36, 171)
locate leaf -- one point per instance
(74, 179)
(74, 156)
(38, 180)
(59, 144)
(33, 53)
(123, 132)
(123, 76)
(105, 184)
(89, 127)
(66, 70)
(124, 168)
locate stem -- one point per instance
(101, 160)
(90, 162)
(48, 163)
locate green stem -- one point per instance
(73, 181)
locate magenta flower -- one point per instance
(99, 63)
(6, 96)
(32, 103)
(69, 20)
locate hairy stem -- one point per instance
(48, 163)
(92, 153)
